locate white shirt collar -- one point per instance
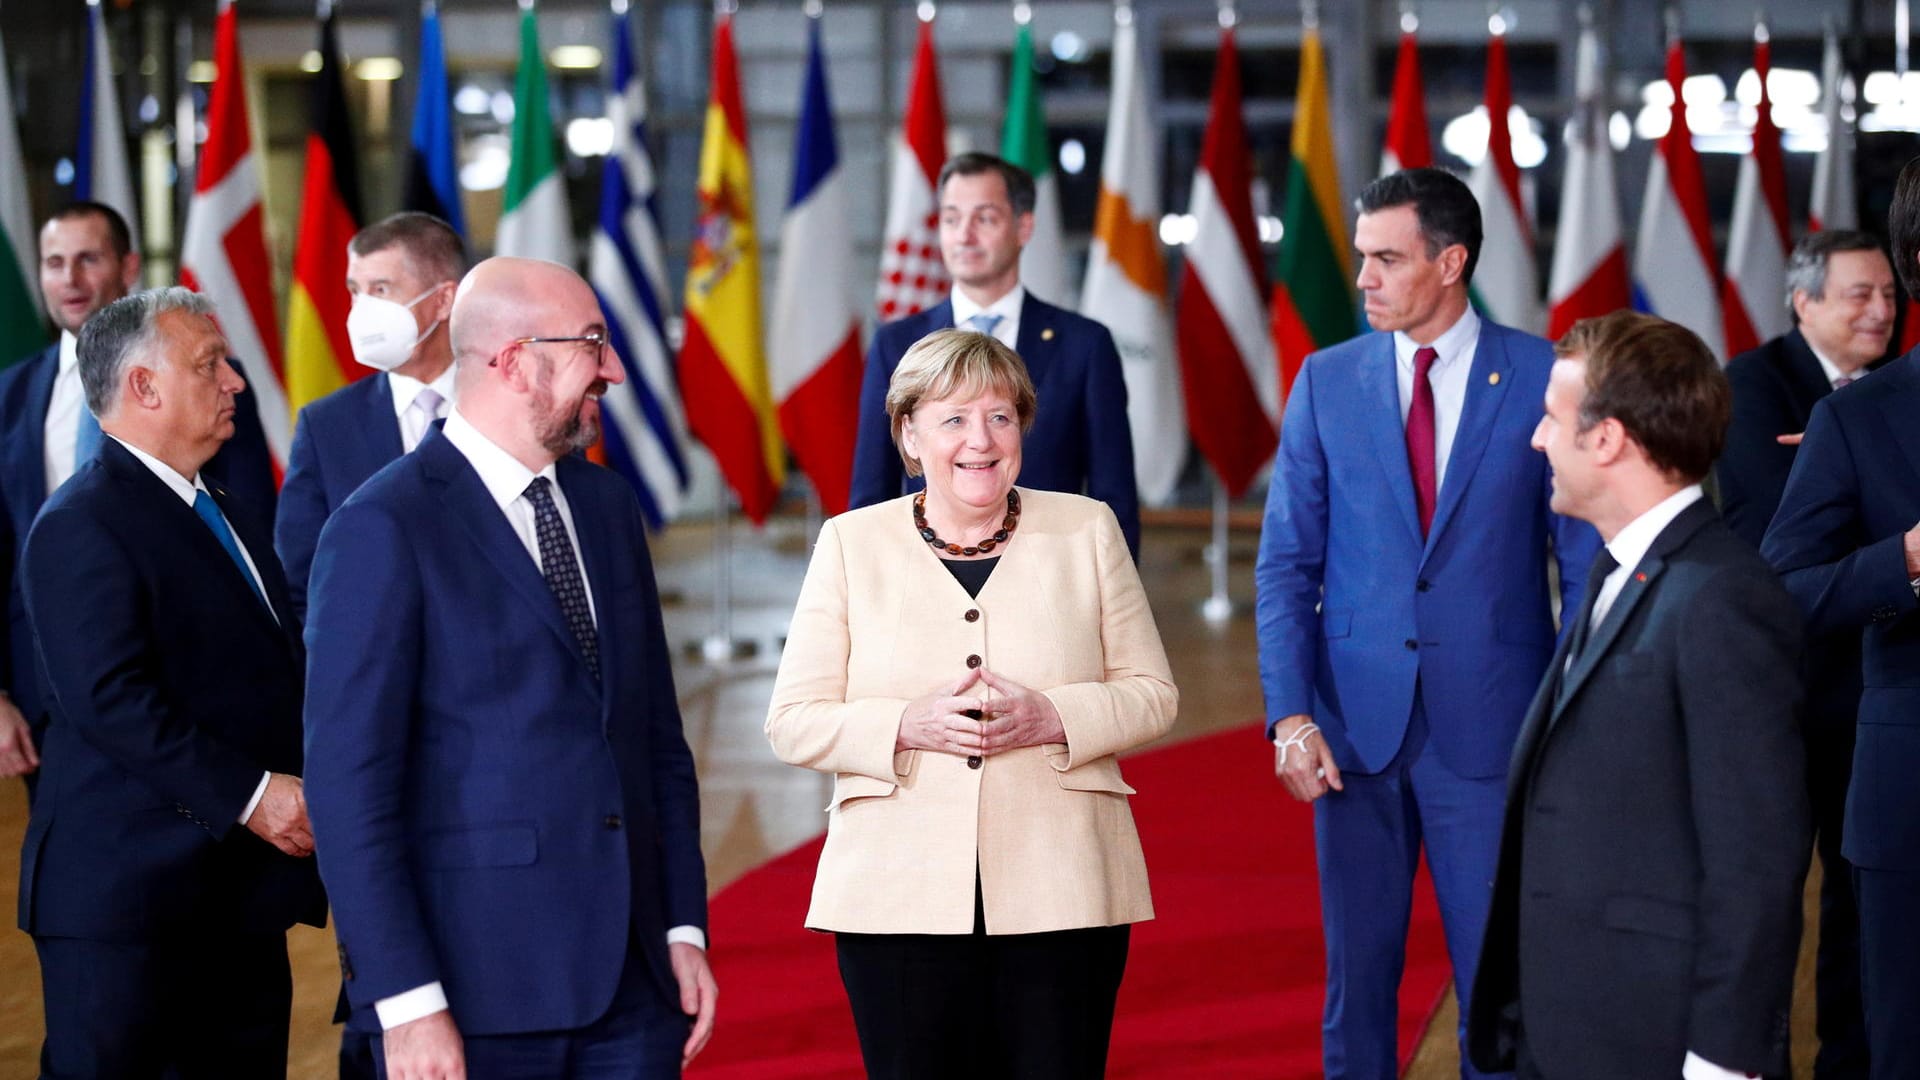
(69, 351)
(1630, 544)
(181, 486)
(1007, 307)
(1831, 369)
(1451, 344)
(405, 388)
(506, 479)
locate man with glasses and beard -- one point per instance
(504, 801)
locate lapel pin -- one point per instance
(1493, 378)
(1639, 577)
(1047, 334)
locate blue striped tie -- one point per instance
(209, 512)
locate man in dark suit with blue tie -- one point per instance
(1843, 299)
(167, 849)
(1404, 601)
(1080, 440)
(87, 261)
(1847, 545)
(401, 272)
(505, 804)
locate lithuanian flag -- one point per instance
(1313, 303)
(723, 362)
(319, 356)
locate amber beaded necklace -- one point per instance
(1007, 525)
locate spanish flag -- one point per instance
(319, 356)
(723, 362)
(1313, 293)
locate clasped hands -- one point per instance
(1016, 717)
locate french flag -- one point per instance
(1675, 275)
(815, 356)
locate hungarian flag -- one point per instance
(1043, 262)
(100, 171)
(1126, 284)
(723, 366)
(1752, 299)
(1674, 272)
(1409, 145)
(1506, 283)
(223, 252)
(1835, 203)
(1226, 358)
(1313, 304)
(816, 355)
(535, 222)
(912, 276)
(1590, 259)
(22, 325)
(319, 353)
(433, 185)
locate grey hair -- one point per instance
(122, 331)
(1807, 266)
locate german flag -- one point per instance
(319, 357)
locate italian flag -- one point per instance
(535, 223)
(1043, 262)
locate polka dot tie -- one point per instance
(562, 571)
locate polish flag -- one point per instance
(912, 277)
(1758, 239)
(1590, 260)
(1674, 272)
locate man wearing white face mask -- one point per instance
(402, 272)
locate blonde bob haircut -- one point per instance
(952, 363)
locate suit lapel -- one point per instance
(1380, 401)
(260, 547)
(1037, 337)
(1806, 379)
(381, 425)
(27, 445)
(1487, 386)
(596, 553)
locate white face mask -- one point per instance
(382, 331)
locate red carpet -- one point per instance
(1226, 982)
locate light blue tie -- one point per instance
(984, 322)
(86, 438)
(209, 512)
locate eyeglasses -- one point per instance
(598, 341)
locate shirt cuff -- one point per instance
(1699, 1068)
(405, 1008)
(688, 935)
(258, 794)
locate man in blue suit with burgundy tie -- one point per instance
(401, 272)
(504, 804)
(1080, 441)
(1404, 603)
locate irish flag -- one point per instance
(1313, 304)
(535, 222)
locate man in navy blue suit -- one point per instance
(87, 261)
(1404, 608)
(401, 272)
(1080, 440)
(1846, 544)
(504, 802)
(167, 850)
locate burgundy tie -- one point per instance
(1420, 436)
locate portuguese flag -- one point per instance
(1313, 305)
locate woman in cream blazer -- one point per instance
(966, 877)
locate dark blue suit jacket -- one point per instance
(339, 441)
(1080, 442)
(243, 466)
(1837, 543)
(488, 815)
(172, 689)
(1354, 608)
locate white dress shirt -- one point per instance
(1832, 370)
(1448, 377)
(1008, 307)
(414, 422)
(63, 416)
(188, 490)
(506, 479)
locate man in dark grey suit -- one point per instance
(1645, 915)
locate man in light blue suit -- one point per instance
(1404, 601)
(401, 272)
(502, 796)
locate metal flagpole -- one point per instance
(721, 646)
(1218, 606)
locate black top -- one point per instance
(972, 574)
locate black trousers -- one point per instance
(187, 1007)
(967, 1006)
(1889, 961)
(1839, 1019)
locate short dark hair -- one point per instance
(1660, 381)
(119, 235)
(1448, 212)
(1903, 227)
(434, 248)
(1807, 265)
(1020, 190)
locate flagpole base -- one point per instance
(720, 649)
(1218, 609)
